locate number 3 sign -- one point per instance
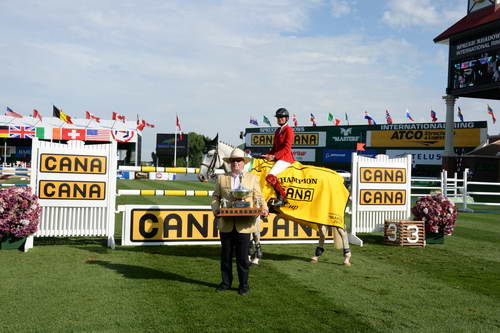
(404, 233)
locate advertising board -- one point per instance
(170, 225)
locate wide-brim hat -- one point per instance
(237, 153)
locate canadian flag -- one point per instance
(117, 116)
(140, 124)
(150, 125)
(37, 114)
(89, 115)
(178, 126)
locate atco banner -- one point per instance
(420, 137)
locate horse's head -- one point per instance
(210, 159)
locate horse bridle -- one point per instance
(213, 162)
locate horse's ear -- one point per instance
(216, 139)
(206, 141)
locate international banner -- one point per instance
(163, 225)
(316, 196)
(420, 138)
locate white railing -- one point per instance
(458, 189)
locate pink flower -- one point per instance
(19, 213)
(438, 213)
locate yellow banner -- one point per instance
(301, 139)
(61, 163)
(315, 195)
(382, 197)
(382, 175)
(157, 225)
(462, 137)
(56, 189)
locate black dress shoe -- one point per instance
(243, 291)
(221, 287)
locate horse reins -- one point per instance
(213, 162)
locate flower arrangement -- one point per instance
(19, 212)
(438, 213)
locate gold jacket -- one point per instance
(244, 224)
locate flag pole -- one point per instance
(88, 123)
(175, 147)
(35, 123)
(4, 152)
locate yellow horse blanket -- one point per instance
(316, 196)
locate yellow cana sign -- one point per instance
(73, 190)
(61, 163)
(157, 225)
(382, 175)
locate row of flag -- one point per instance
(84, 134)
(371, 121)
(58, 113)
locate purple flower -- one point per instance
(438, 213)
(19, 212)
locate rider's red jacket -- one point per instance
(282, 146)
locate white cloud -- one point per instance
(340, 8)
(213, 63)
(405, 13)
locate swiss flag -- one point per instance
(73, 134)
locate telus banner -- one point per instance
(427, 157)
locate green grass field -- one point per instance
(79, 285)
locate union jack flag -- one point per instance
(22, 132)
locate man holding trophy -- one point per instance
(239, 190)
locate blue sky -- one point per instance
(216, 63)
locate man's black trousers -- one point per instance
(234, 243)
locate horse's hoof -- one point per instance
(314, 260)
(347, 264)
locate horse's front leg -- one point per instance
(256, 250)
(345, 245)
(321, 244)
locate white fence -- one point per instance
(459, 190)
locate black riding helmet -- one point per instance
(282, 112)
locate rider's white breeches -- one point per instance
(278, 167)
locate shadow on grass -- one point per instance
(191, 251)
(206, 251)
(372, 238)
(138, 272)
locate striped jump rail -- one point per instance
(163, 169)
(167, 193)
(17, 185)
(12, 173)
(157, 169)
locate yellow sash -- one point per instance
(315, 195)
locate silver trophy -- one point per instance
(240, 194)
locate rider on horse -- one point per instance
(281, 152)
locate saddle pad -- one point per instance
(314, 195)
